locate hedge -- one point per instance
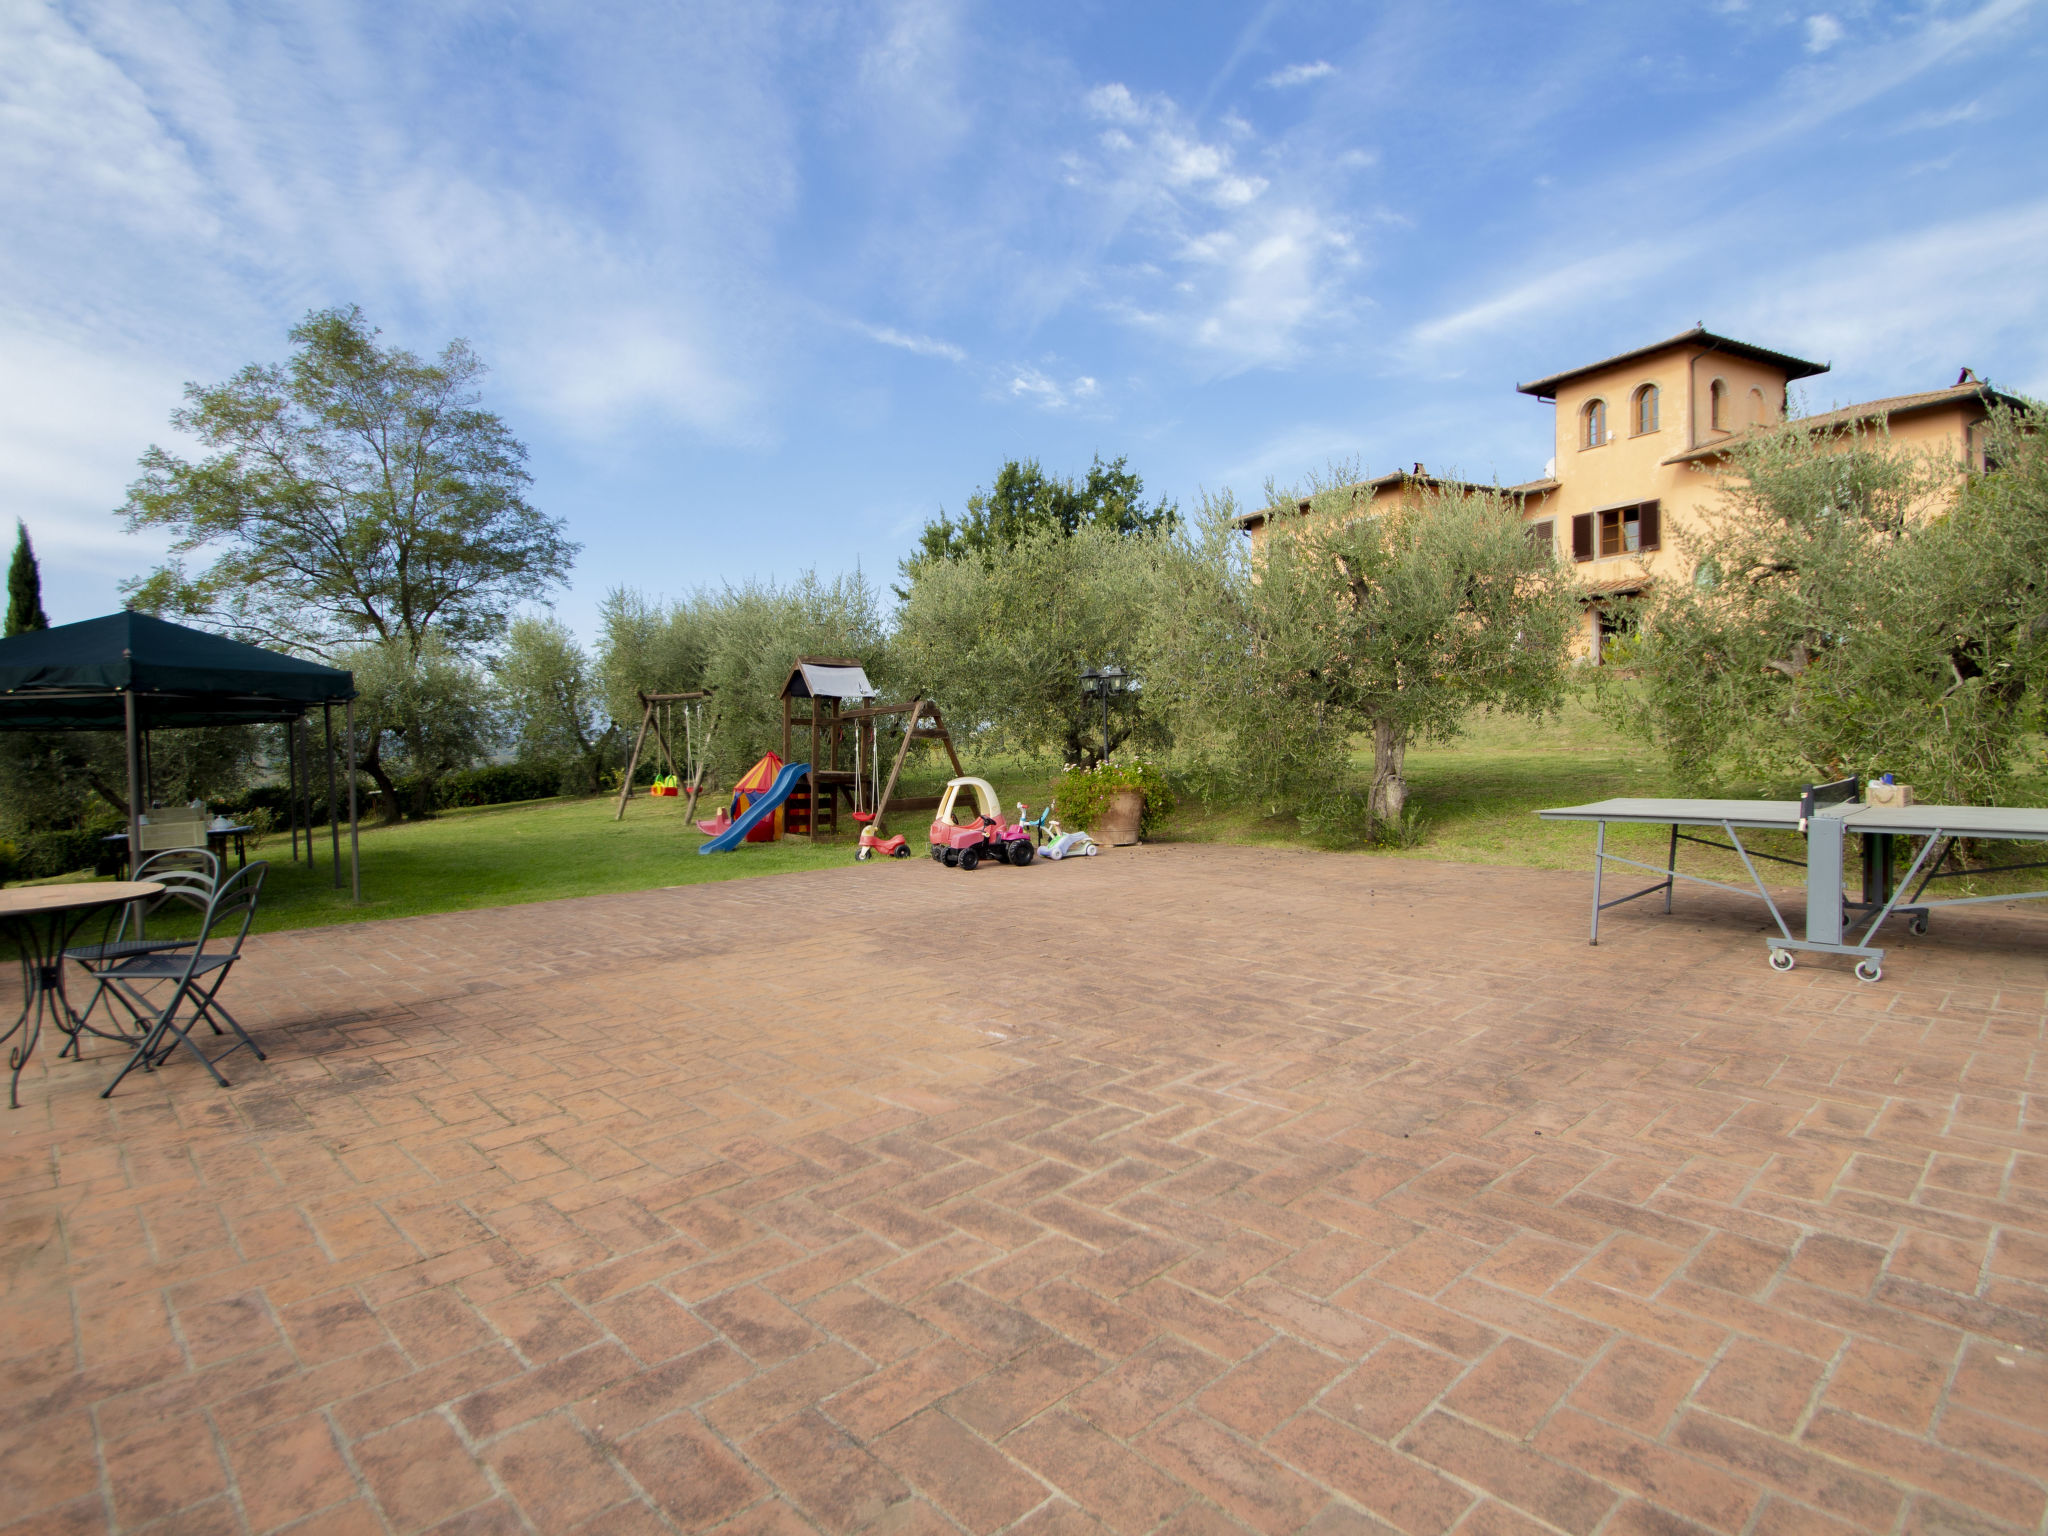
(497, 784)
(44, 855)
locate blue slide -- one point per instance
(763, 806)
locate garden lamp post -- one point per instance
(1106, 682)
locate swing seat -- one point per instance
(863, 815)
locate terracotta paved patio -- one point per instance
(1190, 1190)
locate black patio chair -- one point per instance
(196, 975)
(188, 876)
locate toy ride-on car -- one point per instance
(983, 836)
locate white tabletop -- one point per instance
(28, 900)
(1684, 813)
(2020, 823)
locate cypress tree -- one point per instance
(24, 587)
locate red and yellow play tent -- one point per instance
(757, 780)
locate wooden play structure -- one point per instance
(852, 737)
(657, 712)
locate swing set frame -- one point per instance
(657, 712)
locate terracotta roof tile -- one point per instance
(1868, 410)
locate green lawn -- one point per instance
(1475, 798)
(493, 856)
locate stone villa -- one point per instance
(1640, 438)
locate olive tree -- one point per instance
(1000, 637)
(1390, 620)
(739, 642)
(553, 704)
(419, 714)
(1854, 608)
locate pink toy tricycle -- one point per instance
(987, 836)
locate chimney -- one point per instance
(1418, 468)
(1967, 376)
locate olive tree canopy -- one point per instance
(1397, 620)
(1855, 607)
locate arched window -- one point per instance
(1717, 405)
(1593, 424)
(1643, 410)
(1759, 412)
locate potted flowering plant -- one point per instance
(1118, 801)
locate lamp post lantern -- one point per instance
(1106, 682)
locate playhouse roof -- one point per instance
(825, 677)
(760, 777)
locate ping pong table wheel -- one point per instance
(1782, 960)
(1918, 925)
(1869, 970)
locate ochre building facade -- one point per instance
(1640, 449)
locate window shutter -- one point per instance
(1582, 536)
(1649, 524)
(1543, 535)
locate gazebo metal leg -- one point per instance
(355, 858)
(333, 825)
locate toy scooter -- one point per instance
(897, 847)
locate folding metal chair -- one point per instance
(189, 877)
(233, 906)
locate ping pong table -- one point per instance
(1825, 814)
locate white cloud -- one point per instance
(923, 346)
(1845, 304)
(1546, 284)
(910, 76)
(1242, 270)
(1822, 32)
(1945, 117)
(1821, 92)
(1610, 275)
(1298, 74)
(270, 166)
(1042, 390)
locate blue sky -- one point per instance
(763, 287)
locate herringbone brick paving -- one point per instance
(1186, 1190)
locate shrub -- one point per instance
(499, 784)
(45, 855)
(10, 861)
(1084, 793)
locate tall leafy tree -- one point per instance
(1024, 500)
(24, 586)
(357, 492)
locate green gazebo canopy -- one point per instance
(75, 677)
(135, 674)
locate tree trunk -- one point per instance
(601, 752)
(1389, 789)
(107, 793)
(372, 763)
(424, 779)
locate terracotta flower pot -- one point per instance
(1119, 821)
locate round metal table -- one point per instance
(42, 919)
